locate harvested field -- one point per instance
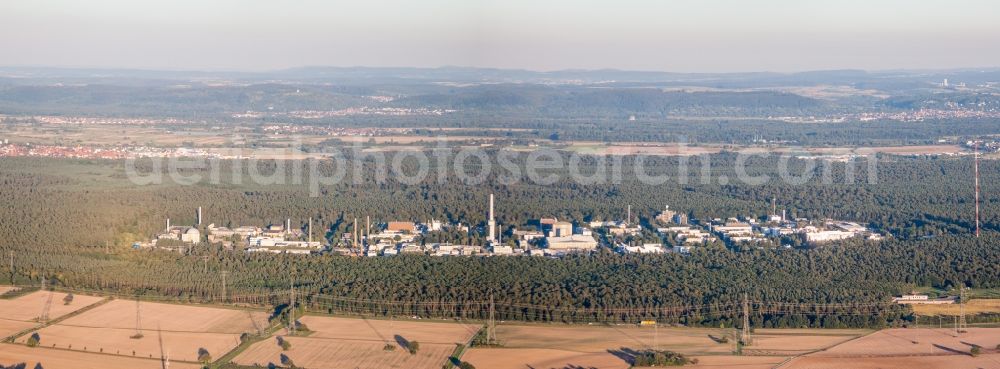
(62, 359)
(868, 150)
(349, 343)
(976, 306)
(113, 135)
(185, 329)
(10, 327)
(908, 362)
(170, 317)
(384, 330)
(788, 342)
(28, 307)
(547, 346)
(917, 150)
(648, 149)
(409, 139)
(900, 342)
(519, 358)
(595, 339)
(178, 345)
(741, 362)
(323, 353)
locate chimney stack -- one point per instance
(288, 225)
(168, 224)
(199, 215)
(492, 223)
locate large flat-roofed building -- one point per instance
(922, 299)
(666, 216)
(561, 229)
(734, 229)
(545, 224)
(573, 242)
(827, 236)
(527, 235)
(184, 234)
(405, 227)
(647, 248)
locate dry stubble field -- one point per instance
(63, 359)
(544, 346)
(27, 308)
(909, 348)
(185, 329)
(974, 306)
(337, 343)
(21, 313)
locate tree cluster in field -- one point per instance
(661, 358)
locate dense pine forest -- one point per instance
(72, 222)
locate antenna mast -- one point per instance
(975, 146)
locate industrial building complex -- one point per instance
(668, 231)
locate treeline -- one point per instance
(845, 286)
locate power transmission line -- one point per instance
(491, 329)
(138, 319)
(44, 318)
(224, 273)
(291, 308)
(961, 327)
(745, 336)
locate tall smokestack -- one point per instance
(368, 227)
(168, 224)
(492, 223)
(356, 232)
(310, 230)
(628, 216)
(288, 225)
(199, 215)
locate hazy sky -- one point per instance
(683, 36)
